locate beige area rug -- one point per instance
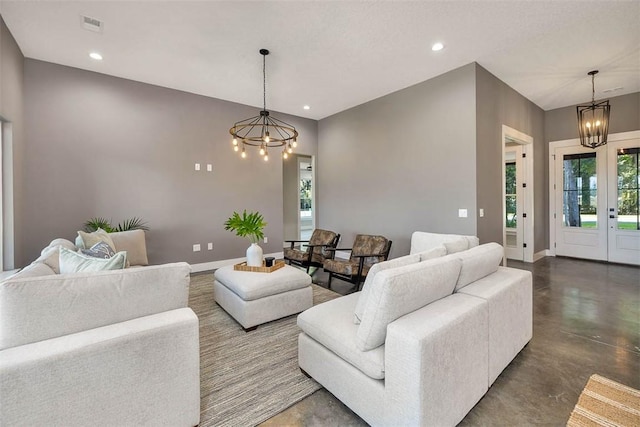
(606, 403)
(246, 377)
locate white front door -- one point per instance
(581, 200)
(595, 199)
(623, 215)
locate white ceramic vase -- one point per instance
(254, 255)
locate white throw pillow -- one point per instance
(436, 252)
(479, 262)
(73, 262)
(458, 245)
(90, 239)
(375, 268)
(399, 291)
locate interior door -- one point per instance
(513, 245)
(623, 195)
(581, 202)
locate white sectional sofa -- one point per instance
(101, 348)
(427, 336)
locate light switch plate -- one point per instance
(209, 167)
(481, 212)
(209, 246)
(197, 166)
(196, 247)
(462, 213)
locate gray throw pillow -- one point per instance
(99, 250)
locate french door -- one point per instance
(596, 211)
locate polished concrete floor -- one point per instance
(586, 320)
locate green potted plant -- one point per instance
(250, 225)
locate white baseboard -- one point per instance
(207, 266)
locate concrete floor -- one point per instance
(586, 320)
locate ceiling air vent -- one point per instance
(91, 24)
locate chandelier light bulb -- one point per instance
(588, 125)
(266, 137)
(235, 148)
(285, 155)
(266, 157)
(597, 123)
(262, 150)
(294, 144)
(289, 149)
(235, 141)
(243, 154)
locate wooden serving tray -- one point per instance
(244, 267)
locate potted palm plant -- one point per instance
(250, 225)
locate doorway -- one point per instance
(517, 191)
(594, 198)
(299, 201)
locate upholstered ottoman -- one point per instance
(256, 298)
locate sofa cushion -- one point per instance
(133, 242)
(73, 262)
(422, 240)
(331, 325)
(35, 269)
(50, 255)
(478, 262)
(396, 292)
(375, 268)
(90, 239)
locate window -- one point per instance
(580, 187)
(628, 189)
(510, 195)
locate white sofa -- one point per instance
(435, 332)
(102, 348)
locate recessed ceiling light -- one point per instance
(96, 56)
(437, 46)
(306, 107)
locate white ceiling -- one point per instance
(333, 55)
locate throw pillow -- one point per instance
(73, 262)
(479, 262)
(400, 291)
(99, 250)
(133, 242)
(458, 245)
(90, 239)
(436, 252)
(375, 268)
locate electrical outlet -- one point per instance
(266, 239)
(196, 247)
(209, 246)
(462, 213)
(209, 167)
(481, 212)
(197, 166)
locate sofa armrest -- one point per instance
(436, 362)
(144, 371)
(38, 308)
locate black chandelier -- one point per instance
(264, 130)
(593, 119)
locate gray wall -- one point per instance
(562, 123)
(401, 163)
(12, 111)
(498, 104)
(104, 146)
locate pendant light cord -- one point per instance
(593, 88)
(264, 82)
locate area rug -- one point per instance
(246, 377)
(606, 403)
